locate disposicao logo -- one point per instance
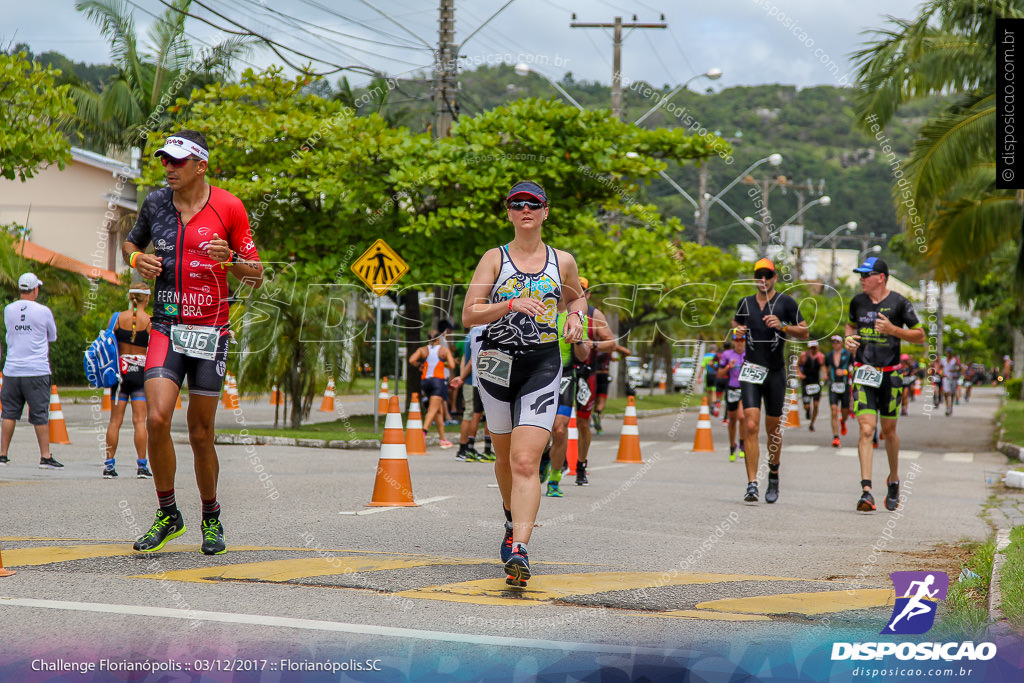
(918, 596)
(917, 599)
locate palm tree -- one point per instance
(149, 78)
(947, 50)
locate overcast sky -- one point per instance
(799, 42)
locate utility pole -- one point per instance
(617, 26)
(445, 71)
(702, 204)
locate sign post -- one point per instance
(380, 267)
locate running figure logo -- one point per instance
(918, 595)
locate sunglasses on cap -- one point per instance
(763, 273)
(175, 163)
(519, 205)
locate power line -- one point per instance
(272, 44)
(686, 59)
(657, 56)
(267, 8)
(333, 13)
(396, 23)
(474, 32)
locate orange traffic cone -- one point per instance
(629, 441)
(5, 572)
(225, 398)
(572, 451)
(917, 387)
(327, 405)
(415, 444)
(275, 396)
(106, 400)
(393, 487)
(232, 394)
(177, 401)
(58, 428)
(793, 416)
(702, 440)
(382, 397)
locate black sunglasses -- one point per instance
(865, 276)
(518, 205)
(764, 273)
(176, 163)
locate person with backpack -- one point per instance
(30, 331)
(131, 329)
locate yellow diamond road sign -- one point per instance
(380, 267)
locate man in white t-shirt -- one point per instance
(30, 330)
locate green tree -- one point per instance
(948, 197)
(149, 77)
(30, 109)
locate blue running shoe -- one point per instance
(518, 568)
(506, 543)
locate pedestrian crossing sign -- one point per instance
(380, 267)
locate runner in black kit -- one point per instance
(200, 233)
(838, 363)
(766, 318)
(515, 292)
(879, 320)
(808, 368)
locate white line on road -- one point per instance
(958, 457)
(316, 625)
(848, 452)
(604, 467)
(910, 455)
(425, 501)
(800, 448)
(680, 447)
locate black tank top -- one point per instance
(812, 367)
(125, 337)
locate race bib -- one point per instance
(564, 384)
(813, 389)
(838, 387)
(868, 376)
(733, 395)
(582, 392)
(195, 341)
(752, 373)
(494, 366)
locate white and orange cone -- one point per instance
(572, 450)
(5, 572)
(629, 441)
(232, 395)
(58, 428)
(702, 442)
(393, 486)
(415, 444)
(327, 405)
(225, 398)
(275, 396)
(793, 416)
(383, 397)
(177, 401)
(105, 407)
(917, 387)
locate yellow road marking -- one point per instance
(286, 570)
(804, 603)
(707, 615)
(548, 587)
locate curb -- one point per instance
(1011, 450)
(995, 594)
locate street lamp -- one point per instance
(848, 227)
(524, 69)
(710, 74)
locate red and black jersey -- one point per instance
(192, 288)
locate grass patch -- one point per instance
(352, 427)
(1011, 580)
(1012, 414)
(966, 607)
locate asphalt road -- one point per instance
(656, 568)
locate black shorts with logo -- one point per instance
(518, 385)
(772, 391)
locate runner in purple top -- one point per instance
(729, 365)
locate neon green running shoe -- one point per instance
(164, 529)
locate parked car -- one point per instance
(682, 374)
(635, 371)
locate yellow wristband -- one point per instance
(133, 258)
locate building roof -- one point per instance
(31, 250)
(97, 160)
